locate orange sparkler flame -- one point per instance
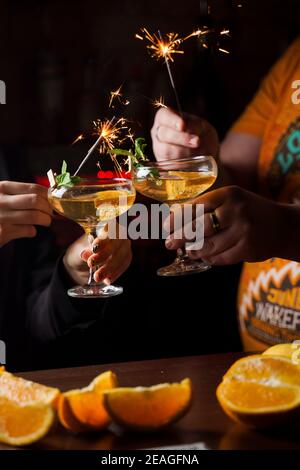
(111, 131)
(161, 48)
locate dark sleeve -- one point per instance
(51, 313)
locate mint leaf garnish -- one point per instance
(65, 179)
(137, 156)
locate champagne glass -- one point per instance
(177, 182)
(93, 203)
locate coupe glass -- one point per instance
(177, 182)
(92, 204)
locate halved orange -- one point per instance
(22, 425)
(82, 410)
(149, 408)
(26, 392)
(261, 391)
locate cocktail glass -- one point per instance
(177, 182)
(93, 203)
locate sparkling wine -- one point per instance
(89, 206)
(175, 186)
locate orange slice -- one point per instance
(261, 391)
(26, 392)
(82, 410)
(151, 408)
(185, 175)
(22, 425)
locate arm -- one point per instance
(238, 159)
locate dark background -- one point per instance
(61, 59)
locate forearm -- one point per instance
(238, 159)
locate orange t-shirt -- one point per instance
(269, 292)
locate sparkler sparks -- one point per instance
(110, 132)
(78, 139)
(161, 48)
(224, 50)
(198, 33)
(159, 103)
(119, 96)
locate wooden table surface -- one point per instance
(205, 424)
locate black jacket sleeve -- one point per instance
(51, 313)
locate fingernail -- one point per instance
(82, 254)
(107, 281)
(194, 141)
(169, 243)
(95, 248)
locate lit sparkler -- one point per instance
(108, 132)
(161, 48)
(164, 48)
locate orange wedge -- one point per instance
(26, 392)
(82, 410)
(261, 391)
(22, 425)
(289, 350)
(151, 408)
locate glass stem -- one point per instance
(92, 234)
(181, 255)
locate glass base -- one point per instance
(95, 292)
(183, 267)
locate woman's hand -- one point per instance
(252, 228)
(109, 259)
(22, 206)
(174, 137)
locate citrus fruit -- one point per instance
(148, 408)
(261, 391)
(26, 392)
(283, 350)
(82, 410)
(24, 424)
(185, 175)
